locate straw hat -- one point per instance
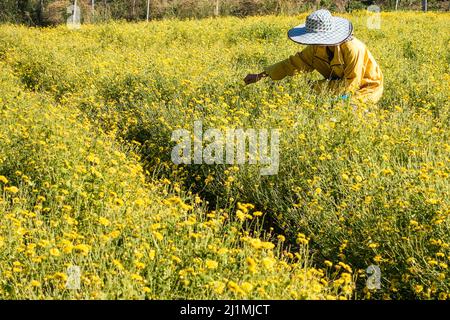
(321, 28)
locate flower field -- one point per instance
(86, 177)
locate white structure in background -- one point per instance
(424, 5)
(374, 18)
(217, 8)
(74, 20)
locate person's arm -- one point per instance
(252, 78)
(301, 61)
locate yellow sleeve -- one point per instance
(354, 70)
(301, 61)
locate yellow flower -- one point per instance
(60, 276)
(328, 263)
(82, 248)
(268, 263)
(114, 234)
(241, 215)
(118, 264)
(267, 245)
(136, 277)
(159, 236)
(217, 286)
(211, 264)
(413, 223)
(139, 265)
(251, 263)
(432, 201)
(93, 159)
(155, 226)
(67, 246)
(35, 283)
(119, 202)
(345, 267)
(12, 189)
(55, 252)
(432, 262)
(104, 222)
(418, 288)
(146, 290)
(3, 179)
(185, 206)
(257, 213)
(246, 286)
(387, 172)
(233, 286)
(70, 221)
(17, 266)
(195, 235)
(139, 202)
(302, 239)
(443, 296)
(222, 251)
(258, 244)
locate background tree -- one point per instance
(49, 12)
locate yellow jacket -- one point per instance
(347, 68)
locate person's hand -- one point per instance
(252, 78)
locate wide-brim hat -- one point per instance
(321, 28)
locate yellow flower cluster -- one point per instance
(72, 195)
(86, 177)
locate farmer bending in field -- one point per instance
(345, 62)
